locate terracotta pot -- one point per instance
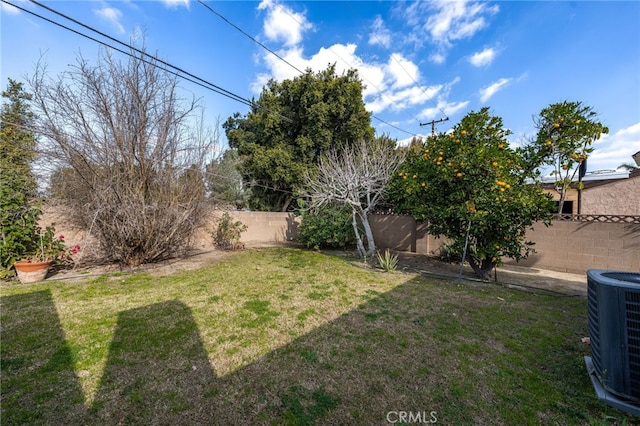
(31, 272)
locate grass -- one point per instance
(286, 336)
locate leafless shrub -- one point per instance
(126, 161)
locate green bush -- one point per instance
(227, 233)
(327, 227)
(451, 252)
(18, 210)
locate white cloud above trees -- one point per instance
(446, 21)
(614, 149)
(111, 15)
(483, 58)
(282, 24)
(380, 35)
(487, 92)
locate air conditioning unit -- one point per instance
(613, 299)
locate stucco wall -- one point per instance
(620, 197)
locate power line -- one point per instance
(249, 36)
(391, 125)
(404, 69)
(179, 72)
(293, 66)
(433, 124)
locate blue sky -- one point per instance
(419, 60)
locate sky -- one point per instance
(419, 61)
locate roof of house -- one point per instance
(597, 178)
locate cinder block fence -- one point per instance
(574, 245)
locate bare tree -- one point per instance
(119, 133)
(356, 176)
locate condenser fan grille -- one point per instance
(594, 326)
(632, 304)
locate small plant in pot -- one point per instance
(49, 250)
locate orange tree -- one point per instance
(566, 131)
(472, 175)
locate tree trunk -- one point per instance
(563, 195)
(287, 201)
(371, 245)
(482, 269)
(359, 243)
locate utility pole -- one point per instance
(433, 124)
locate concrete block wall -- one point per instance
(403, 233)
(267, 227)
(578, 246)
(565, 246)
(262, 228)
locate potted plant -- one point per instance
(49, 250)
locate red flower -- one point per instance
(61, 237)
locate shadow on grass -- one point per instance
(157, 368)
(38, 378)
(418, 348)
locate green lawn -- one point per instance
(287, 336)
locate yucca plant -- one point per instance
(387, 261)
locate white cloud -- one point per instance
(438, 58)
(387, 86)
(392, 85)
(174, 4)
(400, 100)
(487, 92)
(455, 20)
(343, 55)
(615, 149)
(403, 71)
(8, 9)
(483, 58)
(283, 24)
(407, 141)
(446, 22)
(380, 34)
(112, 15)
(449, 108)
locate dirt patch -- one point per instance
(514, 276)
(526, 278)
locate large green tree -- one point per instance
(224, 181)
(566, 132)
(471, 181)
(17, 184)
(289, 128)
